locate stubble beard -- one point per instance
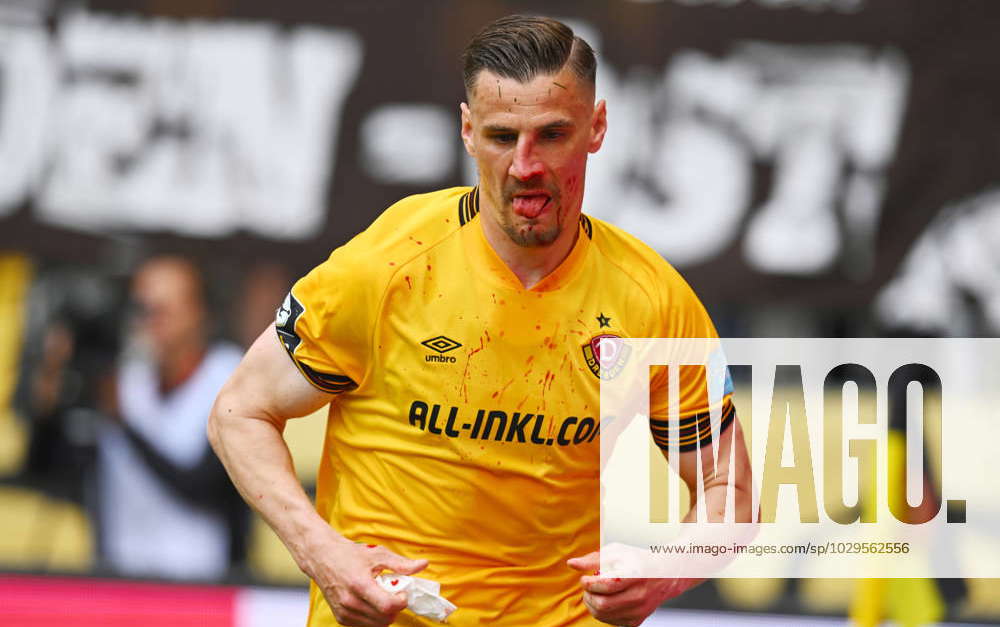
(530, 235)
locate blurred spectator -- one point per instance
(67, 378)
(167, 508)
(263, 288)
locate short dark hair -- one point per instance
(523, 46)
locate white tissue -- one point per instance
(423, 596)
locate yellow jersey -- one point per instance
(466, 426)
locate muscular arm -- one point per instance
(245, 429)
(717, 474)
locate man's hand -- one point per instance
(623, 601)
(346, 571)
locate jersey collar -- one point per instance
(488, 264)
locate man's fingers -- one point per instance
(358, 619)
(405, 566)
(354, 610)
(606, 585)
(590, 607)
(622, 609)
(375, 596)
(381, 600)
(387, 560)
(589, 563)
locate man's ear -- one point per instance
(470, 146)
(599, 126)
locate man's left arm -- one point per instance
(628, 601)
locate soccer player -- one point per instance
(457, 341)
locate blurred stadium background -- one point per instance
(815, 168)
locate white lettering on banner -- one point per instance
(881, 453)
(409, 143)
(679, 160)
(28, 81)
(202, 128)
(949, 282)
(206, 128)
(680, 181)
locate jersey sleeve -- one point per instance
(685, 317)
(325, 323)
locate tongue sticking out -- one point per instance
(530, 206)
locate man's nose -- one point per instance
(526, 164)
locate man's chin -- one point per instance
(533, 236)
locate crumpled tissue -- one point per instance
(423, 596)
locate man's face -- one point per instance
(530, 142)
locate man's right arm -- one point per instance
(245, 429)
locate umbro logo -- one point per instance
(441, 345)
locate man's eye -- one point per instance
(553, 134)
(505, 138)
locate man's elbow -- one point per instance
(212, 430)
(216, 423)
(231, 416)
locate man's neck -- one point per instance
(530, 264)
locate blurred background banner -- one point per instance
(778, 151)
(41, 601)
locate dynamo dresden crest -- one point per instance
(606, 359)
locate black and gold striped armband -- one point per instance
(694, 431)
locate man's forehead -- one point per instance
(562, 89)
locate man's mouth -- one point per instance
(531, 204)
